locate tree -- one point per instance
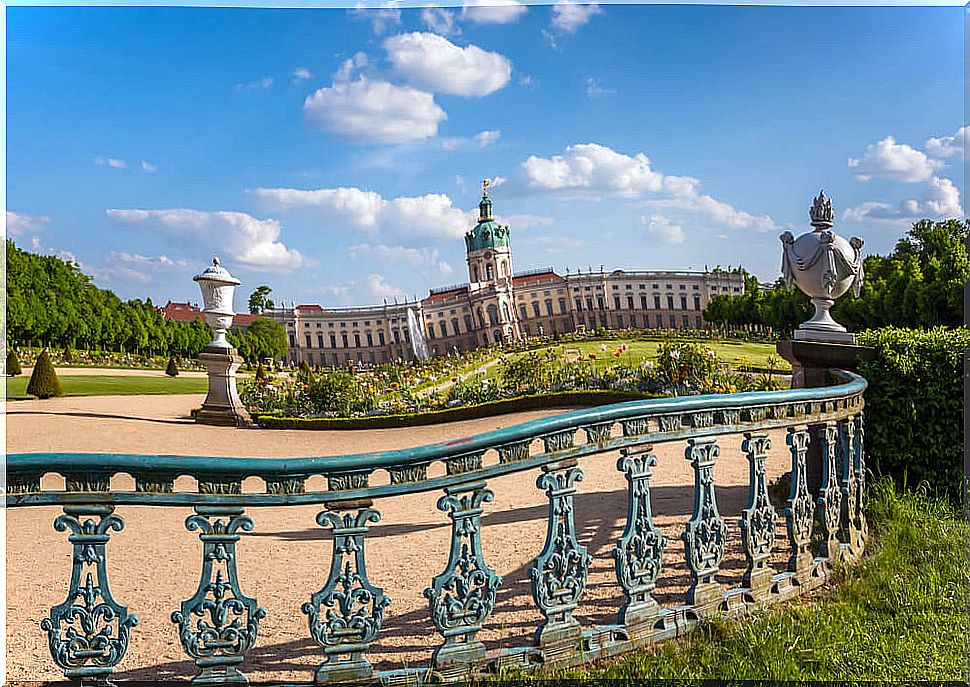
(172, 369)
(13, 363)
(264, 338)
(259, 300)
(43, 380)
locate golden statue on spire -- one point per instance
(485, 184)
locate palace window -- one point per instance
(309, 343)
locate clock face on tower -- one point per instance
(488, 256)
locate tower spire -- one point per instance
(485, 207)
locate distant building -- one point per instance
(188, 312)
(498, 305)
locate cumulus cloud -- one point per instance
(591, 171)
(493, 11)
(487, 138)
(664, 229)
(112, 162)
(373, 286)
(375, 112)
(301, 74)
(253, 242)
(133, 267)
(428, 216)
(482, 139)
(426, 259)
(19, 223)
(942, 201)
(567, 16)
(440, 20)
(434, 63)
(887, 159)
(148, 167)
(381, 18)
(948, 146)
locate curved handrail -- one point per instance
(348, 473)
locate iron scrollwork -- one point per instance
(706, 531)
(219, 624)
(639, 552)
(848, 534)
(345, 616)
(799, 511)
(559, 573)
(97, 626)
(758, 517)
(859, 461)
(830, 494)
(463, 596)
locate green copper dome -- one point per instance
(487, 233)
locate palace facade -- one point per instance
(498, 305)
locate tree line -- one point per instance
(919, 284)
(51, 303)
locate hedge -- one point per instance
(511, 405)
(914, 406)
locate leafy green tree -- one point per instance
(259, 300)
(43, 380)
(13, 363)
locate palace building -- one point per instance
(498, 305)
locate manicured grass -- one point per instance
(900, 614)
(112, 385)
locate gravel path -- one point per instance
(154, 563)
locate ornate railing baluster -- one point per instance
(639, 551)
(830, 496)
(219, 624)
(462, 596)
(799, 511)
(859, 462)
(97, 627)
(848, 534)
(757, 518)
(559, 573)
(345, 616)
(706, 531)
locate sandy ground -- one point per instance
(154, 563)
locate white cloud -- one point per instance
(381, 18)
(124, 266)
(942, 201)
(112, 162)
(949, 146)
(301, 74)
(493, 11)
(487, 138)
(527, 81)
(349, 66)
(374, 286)
(591, 171)
(424, 258)
(19, 223)
(890, 160)
(148, 167)
(367, 111)
(568, 16)
(593, 89)
(253, 242)
(259, 84)
(495, 182)
(664, 229)
(440, 21)
(550, 39)
(428, 216)
(434, 63)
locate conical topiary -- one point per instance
(43, 380)
(13, 363)
(68, 355)
(260, 373)
(172, 369)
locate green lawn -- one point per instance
(900, 614)
(112, 385)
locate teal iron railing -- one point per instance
(89, 633)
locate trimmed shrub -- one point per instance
(914, 406)
(260, 373)
(67, 356)
(43, 381)
(172, 369)
(13, 364)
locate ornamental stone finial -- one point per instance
(824, 266)
(822, 212)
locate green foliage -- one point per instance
(264, 339)
(530, 371)
(13, 363)
(914, 406)
(43, 380)
(259, 300)
(172, 369)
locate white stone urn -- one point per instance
(217, 287)
(824, 266)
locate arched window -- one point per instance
(481, 319)
(497, 335)
(475, 271)
(505, 269)
(505, 311)
(489, 272)
(492, 314)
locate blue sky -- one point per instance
(337, 155)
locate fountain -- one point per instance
(418, 343)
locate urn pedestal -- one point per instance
(222, 405)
